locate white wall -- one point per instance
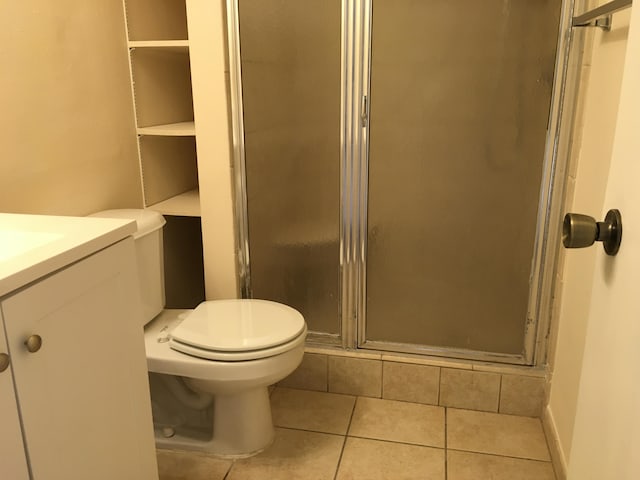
(67, 129)
(606, 434)
(595, 128)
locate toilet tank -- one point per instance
(149, 254)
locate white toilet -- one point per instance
(231, 349)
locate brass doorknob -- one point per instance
(4, 362)
(579, 231)
(33, 343)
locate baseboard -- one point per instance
(557, 455)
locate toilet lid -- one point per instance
(239, 325)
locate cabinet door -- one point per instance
(13, 462)
(83, 395)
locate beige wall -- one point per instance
(601, 78)
(67, 126)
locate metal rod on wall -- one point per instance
(593, 18)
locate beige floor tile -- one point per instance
(476, 466)
(376, 460)
(294, 455)
(496, 434)
(179, 465)
(398, 422)
(307, 410)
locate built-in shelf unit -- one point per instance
(179, 80)
(161, 82)
(160, 61)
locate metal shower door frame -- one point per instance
(354, 141)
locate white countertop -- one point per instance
(32, 246)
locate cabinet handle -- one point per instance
(33, 343)
(4, 362)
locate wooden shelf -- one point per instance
(168, 45)
(162, 86)
(181, 129)
(186, 205)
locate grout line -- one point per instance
(344, 443)
(397, 442)
(396, 400)
(327, 386)
(446, 446)
(501, 456)
(499, 394)
(353, 411)
(439, 384)
(321, 392)
(226, 475)
(364, 438)
(381, 378)
(310, 431)
(494, 413)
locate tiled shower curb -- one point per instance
(436, 381)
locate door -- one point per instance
(459, 114)
(606, 436)
(291, 110)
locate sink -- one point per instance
(32, 246)
(17, 242)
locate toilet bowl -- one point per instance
(231, 349)
(242, 424)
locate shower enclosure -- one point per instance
(394, 168)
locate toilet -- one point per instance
(231, 349)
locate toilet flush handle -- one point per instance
(33, 343)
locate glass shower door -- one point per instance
(290, 60)
(459, 102)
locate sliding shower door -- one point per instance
(389, 158)
(290, 61)
(460, 96)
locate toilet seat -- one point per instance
(238, 330)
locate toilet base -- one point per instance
(242, 424)
(242, 427)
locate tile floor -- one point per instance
(331, 436)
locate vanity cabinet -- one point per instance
(74, 400)
(14, 460)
